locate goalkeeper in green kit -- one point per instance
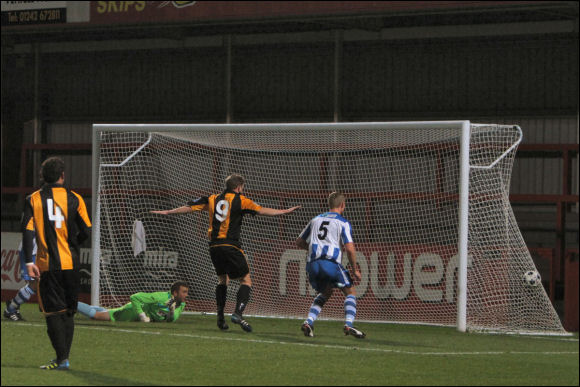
(145, 307)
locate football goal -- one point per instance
(436, 238)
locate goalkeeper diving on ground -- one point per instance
(145, 307)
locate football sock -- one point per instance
(315, 309)
(87, 310)
(221, 292)
(22, 296)
(243, 298)
(56, 329)
(349, 309)
(69, 329)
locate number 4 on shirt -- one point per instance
(54, 213)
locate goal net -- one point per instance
(412, 191)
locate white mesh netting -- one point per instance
(402, 200)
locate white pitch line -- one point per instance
(552, 338)
(312, 345)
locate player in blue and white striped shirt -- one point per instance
(324, 237)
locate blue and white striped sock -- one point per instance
(22, 296)
(315, 309)
(88, 310)
(349, 309)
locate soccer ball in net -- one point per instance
(532, 278)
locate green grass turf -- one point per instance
(193, 351)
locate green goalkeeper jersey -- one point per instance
(154, 305)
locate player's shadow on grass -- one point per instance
(120, 324)
(93, 378)
(90, 377)
(397, 344)
(339, 339)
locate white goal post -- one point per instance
(436, 238)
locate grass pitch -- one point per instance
(193, 351)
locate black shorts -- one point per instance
(58, 291)
(229, 260)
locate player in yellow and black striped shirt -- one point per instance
(226, 211)
(59, 217)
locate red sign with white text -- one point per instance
(180, 11)
(11, 279)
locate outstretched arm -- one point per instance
(272, 212)
(178, 210)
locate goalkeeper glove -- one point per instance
(171, 306)
(143, 317)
